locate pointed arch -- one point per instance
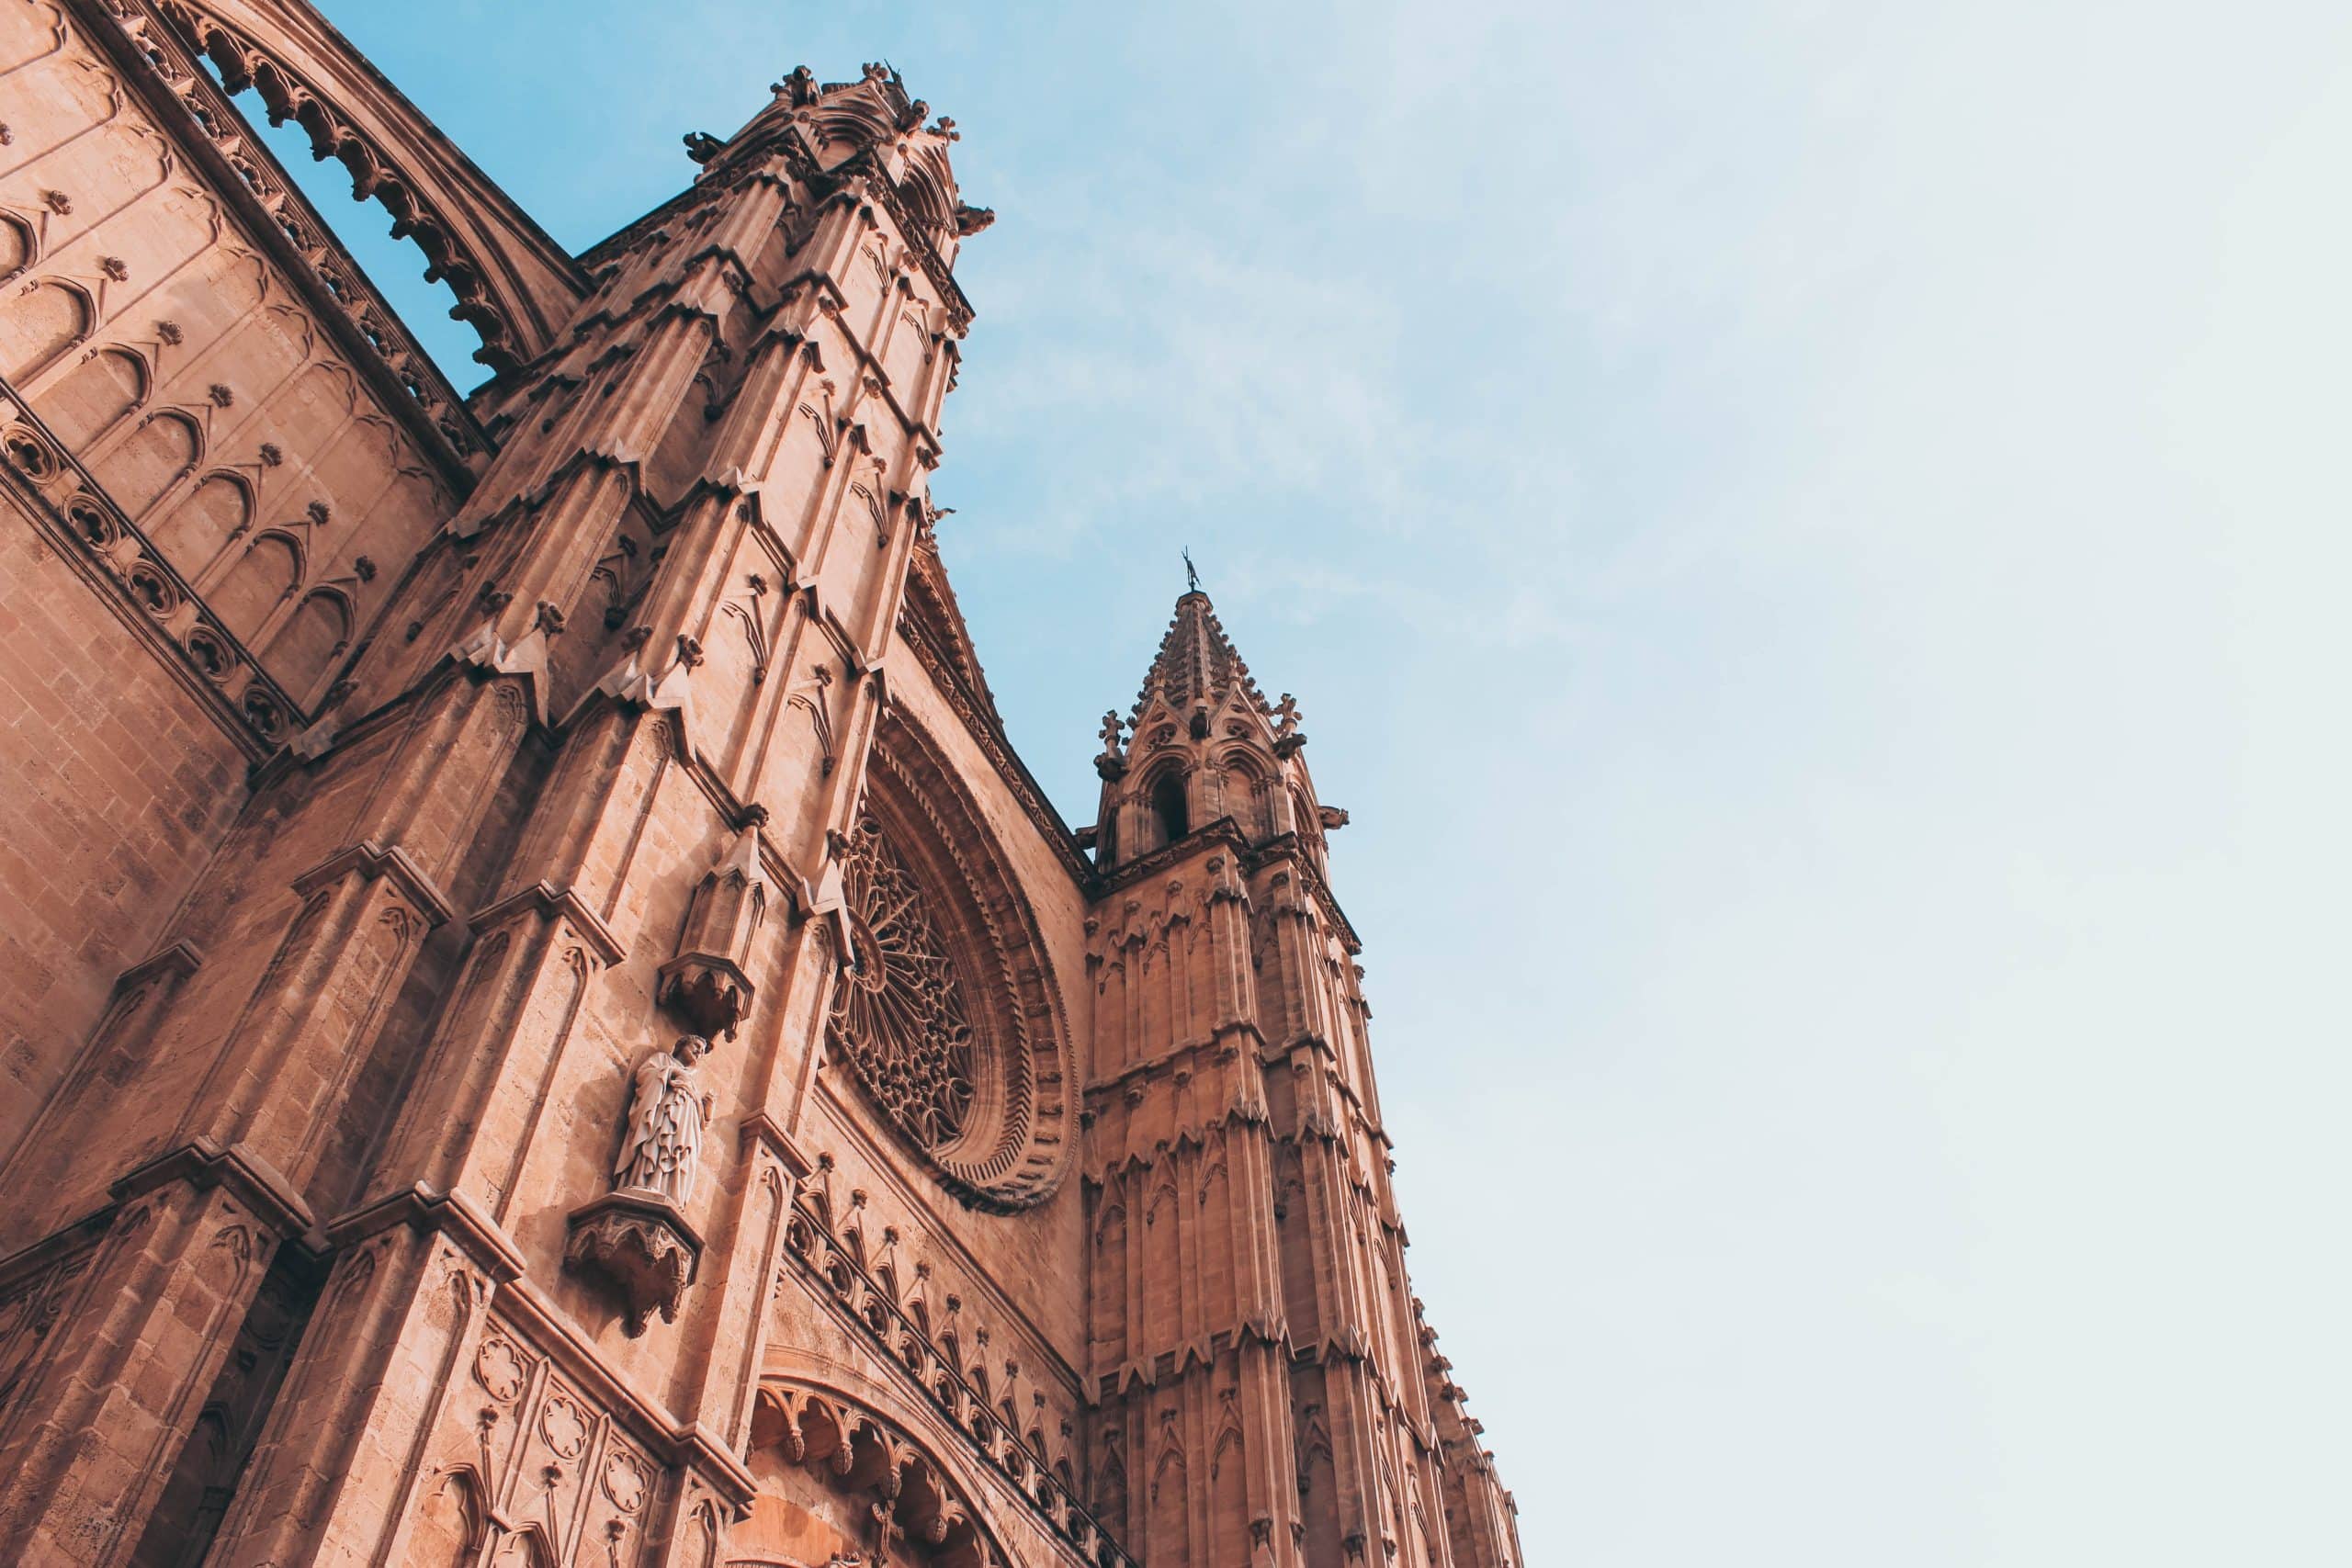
(200, 526)
(1163, 1193)
(17, 248)
(529, 1547)
(1249, 792)
(1167, 1540)
(829, 1466)
(307, 647)
(1172, 810)
(1111, 1487)
(144, 466)
(262, 579)
(449, 1523)
(39, 324)
(105, 389)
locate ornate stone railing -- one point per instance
(836, 1275)
(92, 533)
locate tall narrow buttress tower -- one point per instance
(1269, 1392)
(544, 1021)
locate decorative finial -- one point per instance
(1191, 577)
(1110, 764)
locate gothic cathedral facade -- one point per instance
(542, 1022)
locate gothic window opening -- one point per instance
(898, 1015)
(1168, 807)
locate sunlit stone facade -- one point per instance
(543, 1021)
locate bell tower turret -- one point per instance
(1252, 1338)
(1203, 745)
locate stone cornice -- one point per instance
(203, 1162)
(177, 959)
(424, 1209)
(1146, 1066)
(545, 899)
(760, 1129)
(372, 860)
(1222, 832)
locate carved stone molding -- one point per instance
(372, 860)
(161, 64)
(641, 1246)
(511, 281)
(707, 982)
(147, 594)
(548, 901)
(836, 1274)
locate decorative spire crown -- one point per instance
(1196, 661)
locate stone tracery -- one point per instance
(898, 1014)
(951, 1019)
(954, 1029)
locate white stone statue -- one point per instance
(662, 1148)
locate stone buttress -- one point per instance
(546, 1023)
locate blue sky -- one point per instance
(1811, 539)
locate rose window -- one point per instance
(898, 1015)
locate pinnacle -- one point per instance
(1196, 660)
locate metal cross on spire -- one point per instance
(1191, 577)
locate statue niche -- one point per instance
(636, 1237)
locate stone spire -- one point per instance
(1202, 745)
(1196, 663)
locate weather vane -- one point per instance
(1191, 578)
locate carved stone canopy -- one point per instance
(641, 1247)
(707, 982)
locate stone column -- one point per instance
(100, 1423)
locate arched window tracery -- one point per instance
(900, 1016)
(944, 1013)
